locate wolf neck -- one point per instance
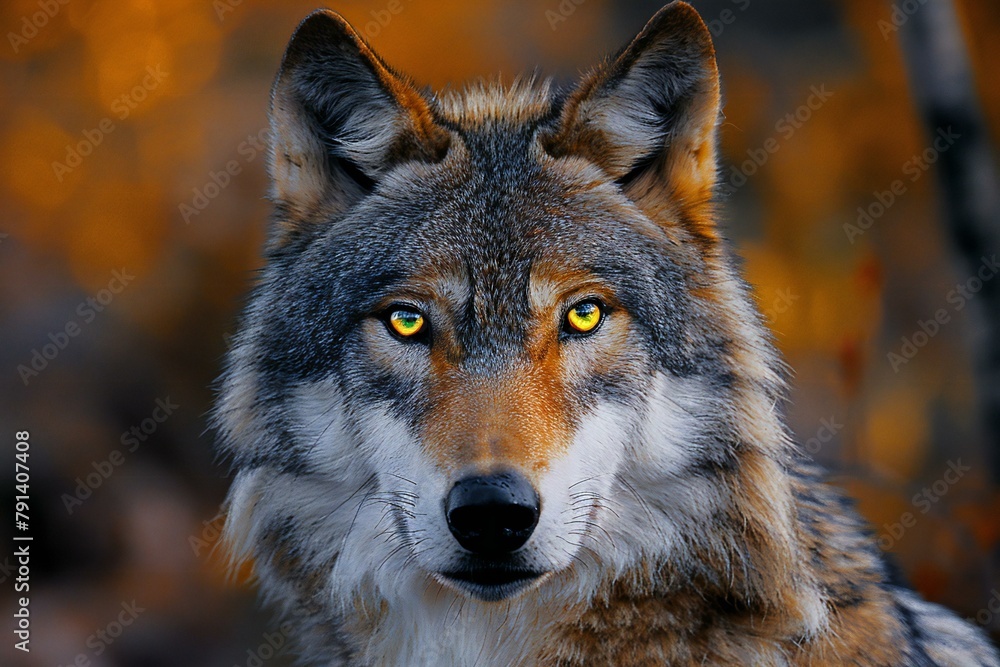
(432, 625)
(751, 591)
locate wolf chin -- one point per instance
(501, 397)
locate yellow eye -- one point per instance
(406, 323)
(584, 317)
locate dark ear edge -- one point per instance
(340, 118)
(658, 95)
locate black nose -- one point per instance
(492, 515)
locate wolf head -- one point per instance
(499, 351)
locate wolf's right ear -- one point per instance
(648, 117)
(340, 118)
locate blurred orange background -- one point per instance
(131, 140)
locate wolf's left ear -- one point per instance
(648, 116)
(340, 119)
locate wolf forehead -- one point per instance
(480, 233)
(483, 199)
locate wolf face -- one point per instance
(499, 361)
(556, 341)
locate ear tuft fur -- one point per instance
(648, 115)
(340, 119)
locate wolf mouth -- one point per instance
(491, 584)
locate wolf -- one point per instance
(501, 397)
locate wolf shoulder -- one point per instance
(939, 637)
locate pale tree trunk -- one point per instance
(944, 92)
